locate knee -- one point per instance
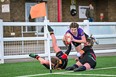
(87, 65)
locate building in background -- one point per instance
(57, 11)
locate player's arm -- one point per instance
(68, 49)
(64, 56)
(83, 40)
(80, 53)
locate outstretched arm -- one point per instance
(65, 55)
(68, 49)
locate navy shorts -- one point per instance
(88, 59)
(64, 61)
(76, 44)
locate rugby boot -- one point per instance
(33, 55)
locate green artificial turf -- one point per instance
(34, 68)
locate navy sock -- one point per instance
(75, 65)
(45, 65)
(81, 68)
(37, 57)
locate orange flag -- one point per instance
(38, 10)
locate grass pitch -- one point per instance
(106, 67)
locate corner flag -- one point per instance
(38, 10)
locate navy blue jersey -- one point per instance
(88, 57)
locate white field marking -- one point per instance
(104, 68)
(107, 75)
(44, 74)
(72, 74)
(35, 75)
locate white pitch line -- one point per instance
(35, 75)
(72, 74)
(104, 68)
(107, 75)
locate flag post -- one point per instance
(47, 35)
(46, 21)
(39, 10)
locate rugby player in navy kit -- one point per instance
(87, 60)
(60, 60)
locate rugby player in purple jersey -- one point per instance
(78, 36)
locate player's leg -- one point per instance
(78, 48)
(79, 51)
(54, 43)
(88, 63)
(86, 66)
(49, 29)
(41, 60)
(76, 65)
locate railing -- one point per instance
(20, 47)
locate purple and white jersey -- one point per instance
(80, 33)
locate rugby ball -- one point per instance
(68, 38)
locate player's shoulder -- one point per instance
(80, 29)
(86, 48)
(68, 31)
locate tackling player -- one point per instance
(61, 59)
(87, 60)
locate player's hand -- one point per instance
(76, 59)
(78, 54)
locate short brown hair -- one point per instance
(74, 25)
